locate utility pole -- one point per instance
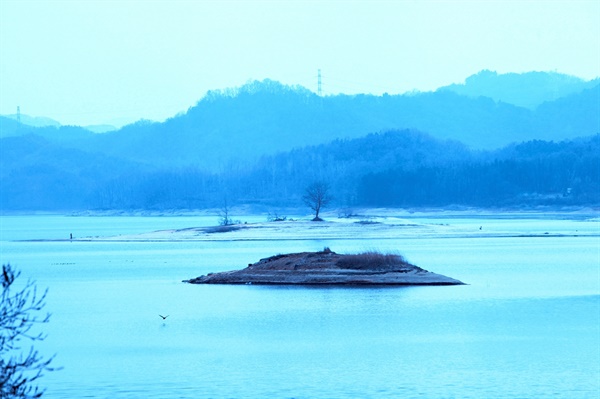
(319, 92)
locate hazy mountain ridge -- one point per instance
(574, 113)
(42, 122)
(396, 168)
(244, 125)
(263, 142)
(9, 127)
(35, 121)
(528, 90)
(36, 174)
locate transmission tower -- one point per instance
(319, 92)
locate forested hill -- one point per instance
(412, 169)
(394, 169)
(240, 125)
(263, 142)
(267, 117)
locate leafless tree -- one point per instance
(224, 214)
(317, 196)
(18, 315)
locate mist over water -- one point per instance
(526, 325)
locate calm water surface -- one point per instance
(526, 326)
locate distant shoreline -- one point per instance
(300, 212)
(413, 226)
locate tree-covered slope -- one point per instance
(266, 117)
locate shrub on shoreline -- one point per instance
(372, 260)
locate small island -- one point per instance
(329, 268)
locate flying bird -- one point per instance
(163, 317)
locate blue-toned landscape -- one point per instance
(300, 199)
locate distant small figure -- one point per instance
(163, 317)
(480, 227)
(71, 236)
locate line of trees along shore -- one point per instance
(396, 169)
(405, 168)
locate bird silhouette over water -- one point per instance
(163, 317)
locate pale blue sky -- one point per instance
(116, 61)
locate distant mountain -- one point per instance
(38, 174)
(266, 117)
(10, 127)
(35, 121)
(528, 90)
(68, 135)
(236, 127)
(100, 128)
(226, 145)
(574, 114)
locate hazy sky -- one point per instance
(90, 62)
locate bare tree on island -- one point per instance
(18, 315)
(317, 196)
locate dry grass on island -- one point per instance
(329, 268)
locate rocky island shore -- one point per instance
(329, 268)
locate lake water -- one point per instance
(527, 325)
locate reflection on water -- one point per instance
(527, 325)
